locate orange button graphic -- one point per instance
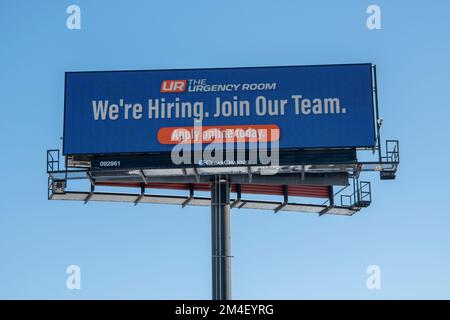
(218, 134)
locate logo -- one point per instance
(173, 86)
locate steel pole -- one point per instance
(220, 239)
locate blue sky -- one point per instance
(163, 252)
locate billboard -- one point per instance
(298, 107)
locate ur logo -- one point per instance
(173, 86)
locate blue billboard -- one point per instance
(128, 112)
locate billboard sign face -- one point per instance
(299, 107)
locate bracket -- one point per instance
(285, 200)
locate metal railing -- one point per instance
(392, 152)
(360, 197)
(52, 160)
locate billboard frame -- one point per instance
(374, 96)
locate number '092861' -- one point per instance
(109, 163)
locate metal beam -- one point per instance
(198, 201)
(238, 196)
(336, 178)
(141, 196)
(285, 199)
(191, 196)
(90, 194)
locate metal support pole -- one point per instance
(220, 239)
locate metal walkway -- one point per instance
(287, 182)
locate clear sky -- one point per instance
(159, 252)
